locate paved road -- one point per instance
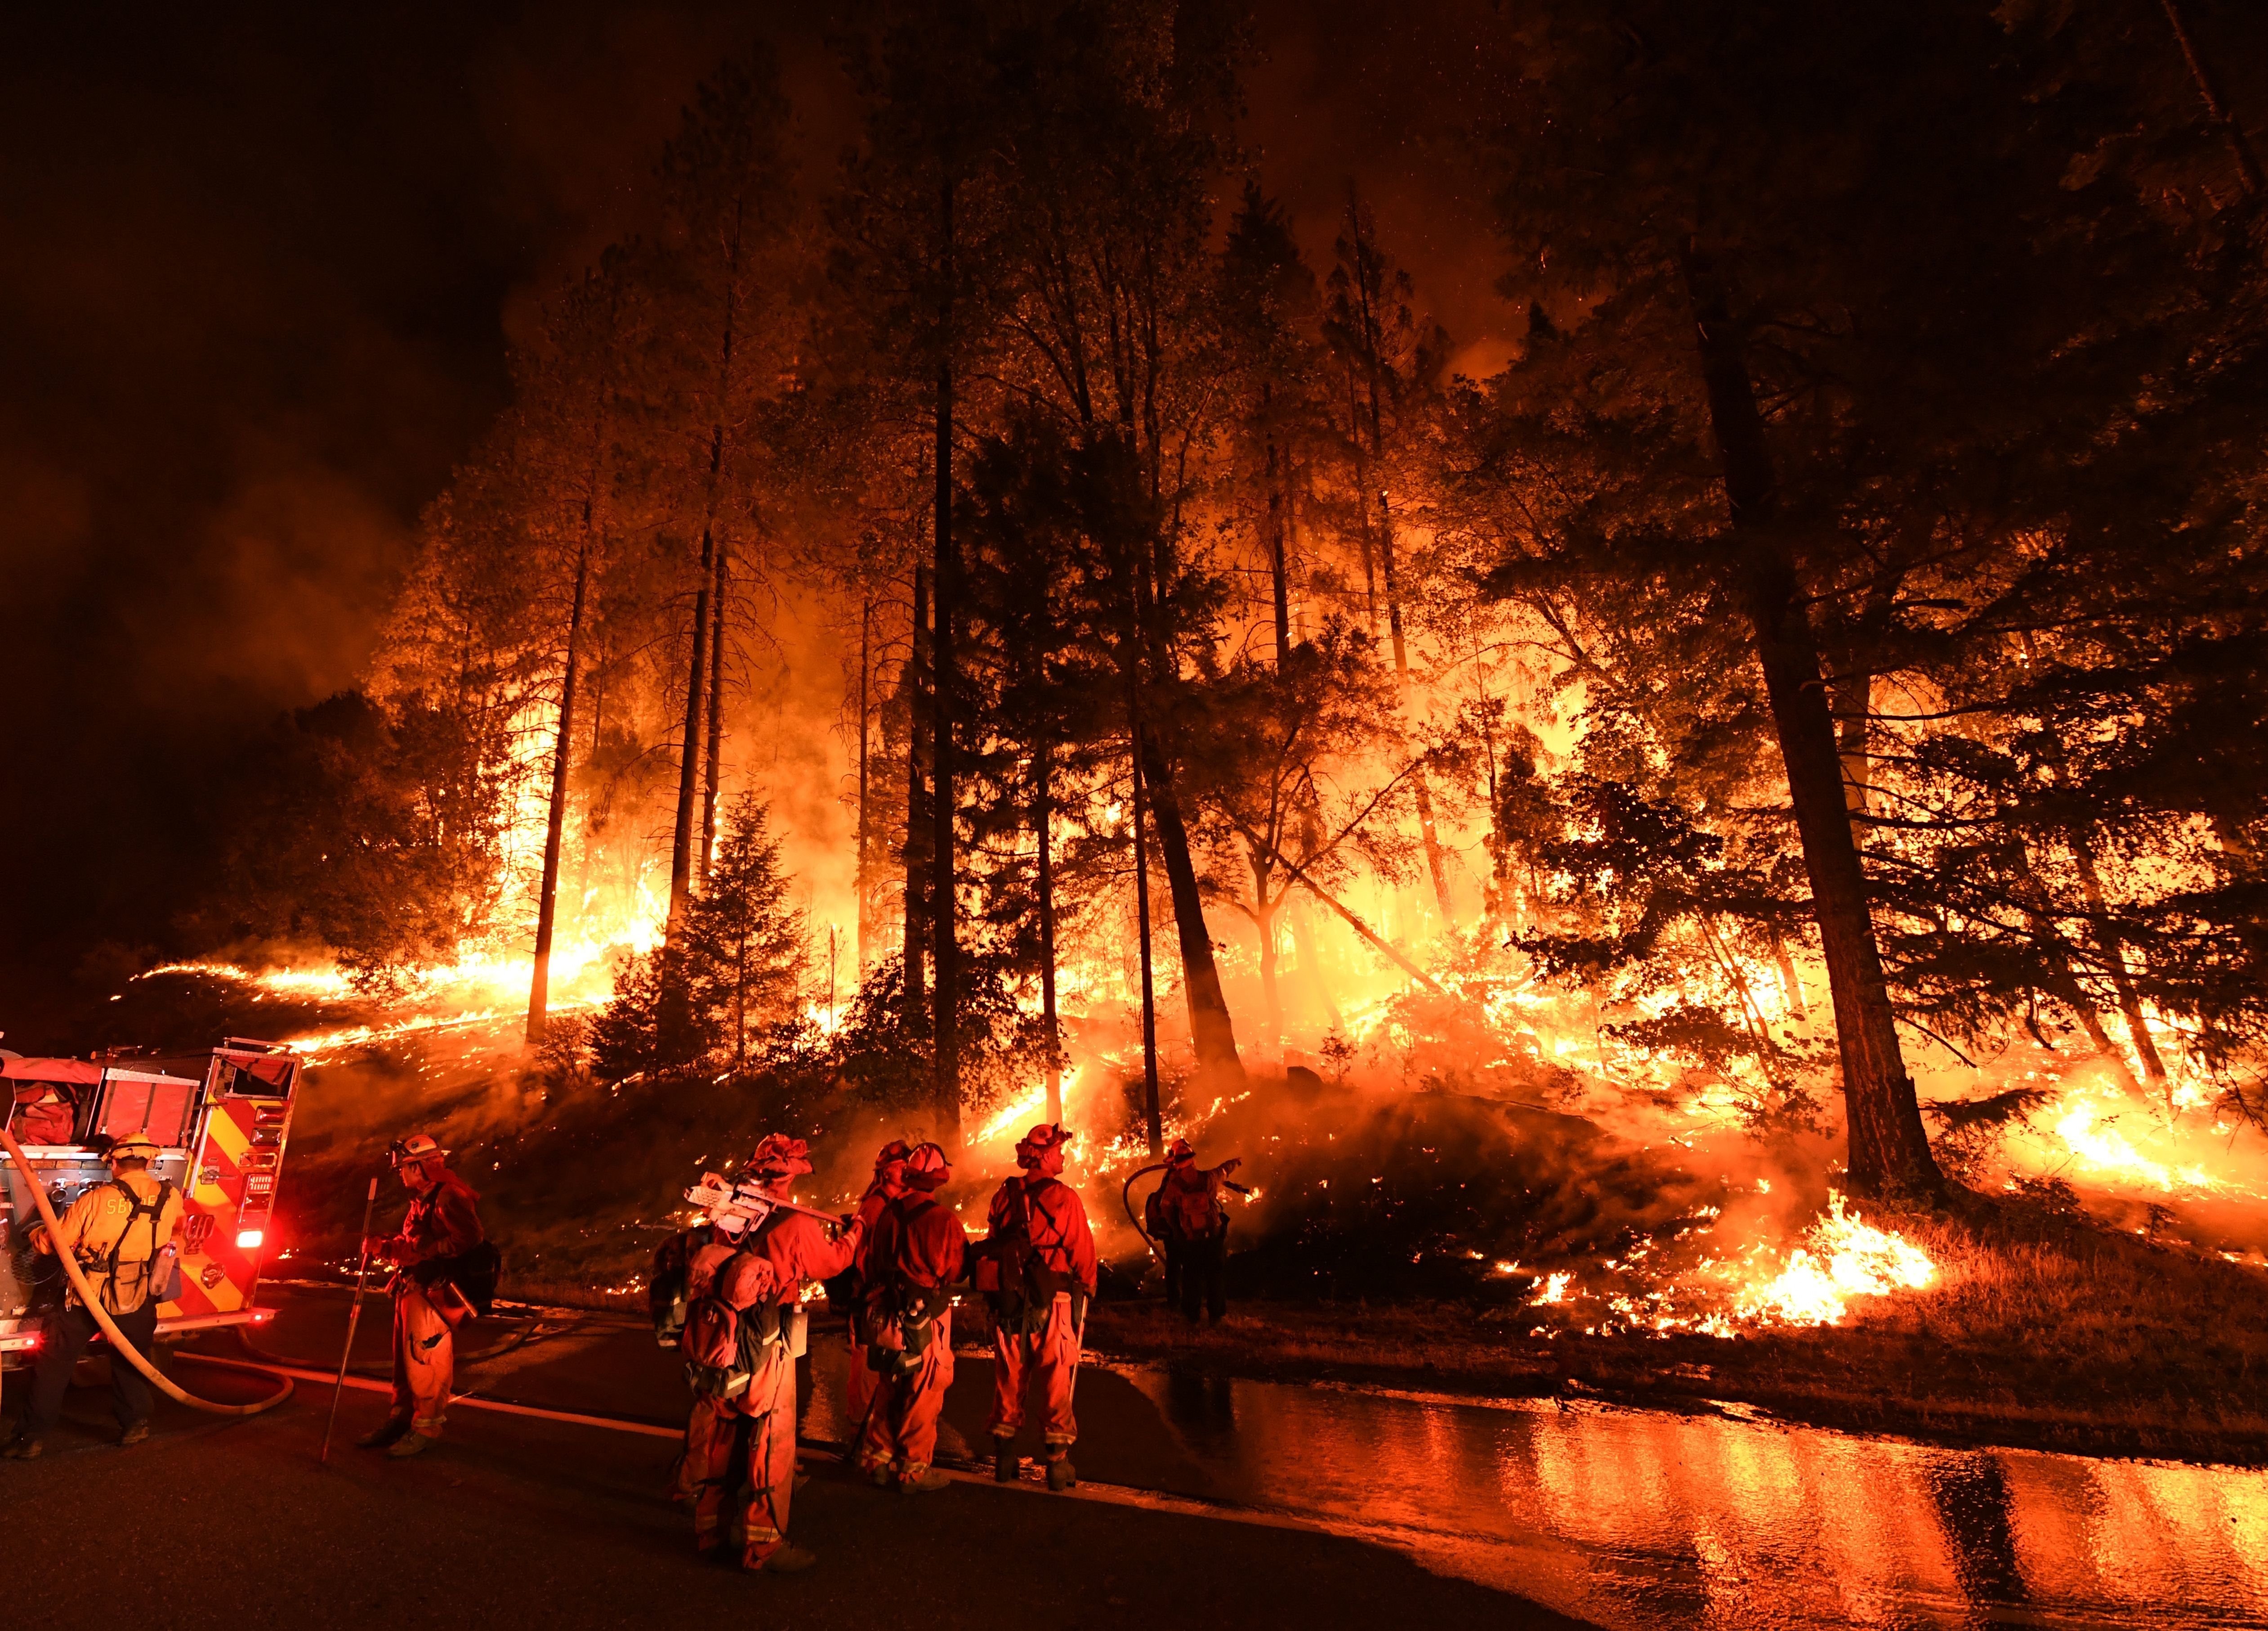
(523, 1522)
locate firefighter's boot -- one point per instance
(410, 1444)
(789, 1559)
(383, 1434)
(1003, 1461)
(24, 1450)
(134, 1435)
(922, 1480)
(1061, 1474)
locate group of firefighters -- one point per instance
(734, 1286)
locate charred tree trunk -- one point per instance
(1303, 940)
(944, 905)
(711, 775)
(916, 854)
(689, 769)
(863, 868)
(1264, 920)
(2112, 947)
(1418, 786)
(1042, 823)
(1362, 508)
(1889, 1149)
(1851, 700)
(1276, 570)
(547, 910)
(1211, 1029)
(1153, 1118)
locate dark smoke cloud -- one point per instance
(263, 262)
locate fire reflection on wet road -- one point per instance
(1642, 1519)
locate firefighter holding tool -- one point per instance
(913, 1258)
(1038, 1266)
(440, 1242)
(684, 1271)
(1186, 1215)
(743, 1332)
(124, 1234)
(889, 1184)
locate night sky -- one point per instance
(264, 265)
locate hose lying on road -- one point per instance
(118, 1345)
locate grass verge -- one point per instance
(2044, 1333)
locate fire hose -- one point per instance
(1126, 1199)
(87, 1297)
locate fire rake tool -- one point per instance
(354, 1319)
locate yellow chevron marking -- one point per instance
(223, 1134)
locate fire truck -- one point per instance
(220, 1117)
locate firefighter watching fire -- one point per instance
(1038, 1265)
(742, 1337)
(442, 1228)
(123, 1234)
(851, 1292)
(913, 1258)
(1186, 1216)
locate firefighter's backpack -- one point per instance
(160, 1273)
(1188, 1213)
(728, 1323)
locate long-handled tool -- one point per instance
(354, 1319)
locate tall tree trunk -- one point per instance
(689, 769)
(1362, 508)
(1280, 578)
(1210, 1028)
(1043, 815)
(1418, 785)
(916, 854)
(1271, 1003)
(1152, 1113)
(680, 851)
(546, 909)
(2109, 943)
(863, 868)
(712, 771)
(1889, 1149)
(1853, 700)
(1303, 940)
(945, 906)
(2240, 145)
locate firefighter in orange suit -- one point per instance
(889, 1183)
(117, 1232)
(1043, 1254)
(1190, 1223)
(684, 1271)
(444, 1222)
(741, 1451)
(915, 1255)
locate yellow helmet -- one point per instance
(134, 1147)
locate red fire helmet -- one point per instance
(1041, 1147)
(779, 1156)
(926, 1167)
(1179, 1151)
(894, 1150)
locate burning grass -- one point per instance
(2034, 1330)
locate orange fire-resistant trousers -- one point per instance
(857, 1381)
(1047, 1357)
(424, 1359)
(902, 1425)
(739, 1462)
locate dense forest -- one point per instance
(1835, 636)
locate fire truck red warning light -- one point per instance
(249, 1239)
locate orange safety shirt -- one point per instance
(97, 1222)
